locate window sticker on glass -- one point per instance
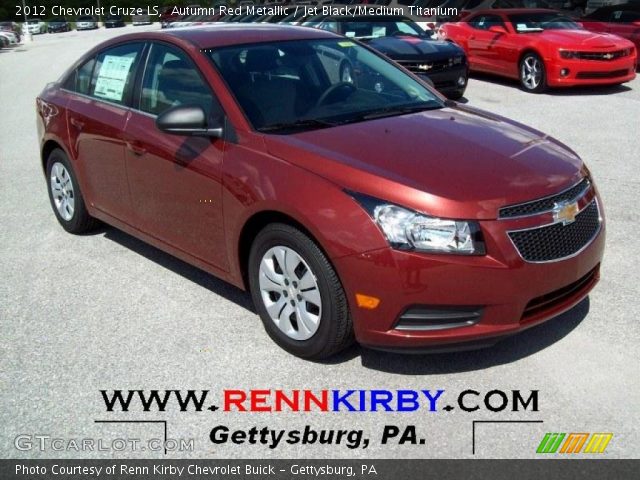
(350, 34)
(378, 31)
(346, 44)
(112, 77)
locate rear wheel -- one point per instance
(65, 195)
(532, 73)
(297, 293)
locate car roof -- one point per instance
(226, 34)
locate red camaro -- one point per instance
(368, 207)
(541, 48)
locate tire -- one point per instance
(277, 288)
(60, 172)
(457, 95)
(532, 74)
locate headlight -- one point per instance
(568, 54)
(406, 229)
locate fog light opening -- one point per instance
(564, 72)
(462, 81)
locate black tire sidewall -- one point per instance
(280, 234)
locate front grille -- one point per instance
(597, 75)
(557, 297)
(544, 204)
(426, 67)
(557, 241)
(602, 56)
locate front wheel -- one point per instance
(532, 74)
(298, 294)
(65, 196)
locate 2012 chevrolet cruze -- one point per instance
(370, 208)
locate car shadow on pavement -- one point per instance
(191, 273)
(567, 91)
(509, 350)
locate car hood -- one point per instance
(454, 162)
(583, 39)
(413, 48)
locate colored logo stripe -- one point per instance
(598, 442)
(574, 442)
(550, 443)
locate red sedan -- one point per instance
(541, 48)
(368, 208)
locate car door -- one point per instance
(484, 45)
(176, 181)
(96, 117)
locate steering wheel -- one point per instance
(334, 88)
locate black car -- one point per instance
(58, 24)
(114, 21)
(443, 64)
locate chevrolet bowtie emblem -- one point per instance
(565, 212)
(608, 56)
(425, 66)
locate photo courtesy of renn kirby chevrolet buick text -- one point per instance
(362, 207)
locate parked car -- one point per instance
(114, 21)
(402, 40)
(168, 16)
(143, 19)
(10, 37)
(593, 5)
(35, 26)
(86, 22)
(12, 27)
(382, 214)
(58, 24)
(622, 20)
(541, 48)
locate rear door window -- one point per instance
(114, 73)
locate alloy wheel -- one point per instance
(62, 191)
(531, 72)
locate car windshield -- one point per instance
(289, 86)
(540, 21)
(381, 28)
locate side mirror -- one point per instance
(187, 120)
(497, 29)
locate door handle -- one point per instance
(136, 149)
(76, 123)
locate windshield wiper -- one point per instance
(298, 124)
(396, 110)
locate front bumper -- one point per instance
(447, 81)
(511, 294)
(591, 72)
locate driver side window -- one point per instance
(484, 22)
(171, 79)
